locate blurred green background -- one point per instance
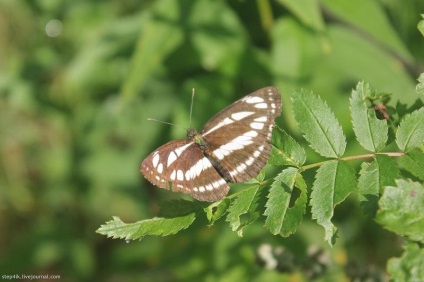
(78, 80)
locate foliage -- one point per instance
(400, 208)
(78, 80)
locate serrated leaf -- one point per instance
(319, 125)
(117, 229)
(409, 267)
(413, 162)
(281, 217)
(401, 209)
(217, 209)
(334, 181)
(372, 178)
(285, 150)
(244, 209)
(371, 132)
(410, 133)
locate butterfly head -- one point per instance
(194, 136)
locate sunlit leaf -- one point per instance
(285, 150)
(370, 131)
(410, 133)
(334, 181)
(281, 217)
(319, 125)
(409, 267)
(117, 229)
(244, 209)
(372, 178)
(401, 209)
(413, 162)
(217, 209)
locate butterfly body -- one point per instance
(233, 147)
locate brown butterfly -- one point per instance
(233, 146)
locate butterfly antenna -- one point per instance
(169, 123)
(191, 106)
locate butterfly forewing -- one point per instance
(180, 166)
(233, 146)
(239, 136)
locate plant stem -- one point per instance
(364, 156)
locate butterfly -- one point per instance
(233, 146)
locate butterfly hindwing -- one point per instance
(180, 166)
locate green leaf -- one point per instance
(420, 86)
(217, 209)
(117, 229)
(159, 37)
(413, 162)
(301, 49)
(220, 46)
(334, 181)
(369, 130)
(410, 133)
(370, 19)
(307, 11)
(285, 150)
(372, 178)
(401, 209)
(319, 125)
(409, 267)
(421, 25)
(178, 207)
(281, 217)
(245, 209)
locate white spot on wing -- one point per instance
(188, 175)
(261, 119)
(237, 143)
(250, 161)
(251, 133)
(241, 115)
(197, 168)
(220, 154)
(257, 125)
(256, 153)
(155, 160)
(173, 175)
(160, 168)
(171, 158)
(261, 106)
(240, 168)
(254, 99)
(226, 121)
(180, 175)
(180, 150)
(232, 146)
